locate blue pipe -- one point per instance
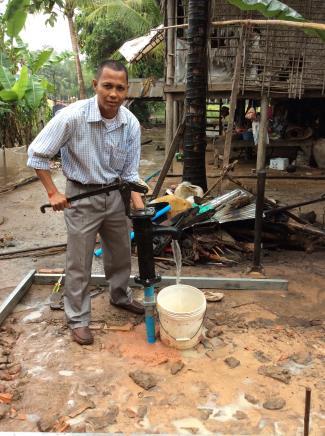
(160, 212)
(147, 179)
(149, 305)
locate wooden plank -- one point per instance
(226, 283)
(214, 87)
(16, 295)
(169, 158)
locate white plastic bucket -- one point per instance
(181, 310)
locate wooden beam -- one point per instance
(169, 158)
(270, 22)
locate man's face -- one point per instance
(111, 89)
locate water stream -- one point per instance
(177, 254)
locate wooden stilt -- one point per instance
(170, 70)
(261, 147)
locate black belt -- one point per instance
(92, 185)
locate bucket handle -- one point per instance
(183, 339)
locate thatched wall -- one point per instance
(275, 60)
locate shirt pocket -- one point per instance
(118, 157)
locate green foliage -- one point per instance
(275, 9)
(15, 16)
(23, 89)
(20, 85)
(6, 78)
(101, 38)
(63, 79)
(113, 22)
(46, 6)
(105, 26)
(40, 60)
(138, 16)
(35, 92)
(141, 110)
(8, 95)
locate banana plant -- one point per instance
(15, 16)
(27, 85)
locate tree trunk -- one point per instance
(196, 93)
(75, 48)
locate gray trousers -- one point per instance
(105, 215)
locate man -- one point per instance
(224, 112)
(99, 140)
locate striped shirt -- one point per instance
(92, 151)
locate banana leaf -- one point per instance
(15, 16)
(21, 84)
(47, 85)
(6, 78)
(35, 93)
(8, 95)
(275, 9)
(40, 60)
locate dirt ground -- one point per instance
(247, 376)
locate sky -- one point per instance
(37, 35)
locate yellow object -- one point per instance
(177, 204)
(57, 286)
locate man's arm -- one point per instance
(47, 144)
(57, 200)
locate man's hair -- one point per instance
(113, 65)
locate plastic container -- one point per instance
(181, 309)
(279, 163)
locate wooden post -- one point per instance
(176, 166)
(262, 135)
(170, 73)
(175, 117)
(233, 101)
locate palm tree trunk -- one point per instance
(196, 93)
(75, 48)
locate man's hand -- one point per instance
(58, 201)
(137, 201)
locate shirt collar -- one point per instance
(94, 114)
